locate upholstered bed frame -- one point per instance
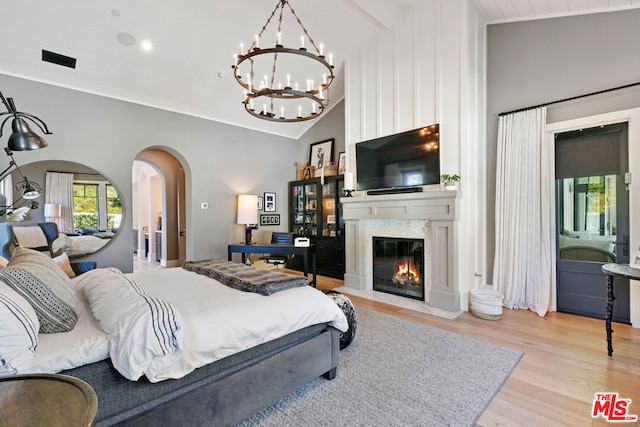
(222, 393)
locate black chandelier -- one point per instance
(21, 139)
(287, 98)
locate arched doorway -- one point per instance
(159, 208)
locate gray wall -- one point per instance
(329, 126)
(540, 61)
(221, 161)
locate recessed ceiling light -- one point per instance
(146, 45)
(126, 39)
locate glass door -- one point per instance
(329, 209)
(311, 209)
(297, 208)
(592, 219)
(339, 215)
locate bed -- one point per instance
(225, 354)
(79, 246)
(586, 247)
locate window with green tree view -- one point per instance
(96, 205)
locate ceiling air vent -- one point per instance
(56, 58)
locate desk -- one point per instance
(613, 270)
(278, 249)
(46, 400)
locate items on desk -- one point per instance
(301, 242)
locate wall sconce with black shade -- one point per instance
(22, 138)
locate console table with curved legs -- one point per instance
(611, 271)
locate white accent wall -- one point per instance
(430, 69)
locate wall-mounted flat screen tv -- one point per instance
(405, 159)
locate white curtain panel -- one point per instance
(6, 189)
(522, 266)
(59, 190)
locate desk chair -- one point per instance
(279, 238)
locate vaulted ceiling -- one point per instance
(188, 69)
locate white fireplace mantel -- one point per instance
(436, 207)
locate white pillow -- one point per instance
(30, 237)
(58, 245)
(146, 334)
(19, 327)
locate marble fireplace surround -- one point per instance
(428, 215)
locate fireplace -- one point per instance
(431, 216)
(398, 266)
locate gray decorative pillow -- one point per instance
(39, 280)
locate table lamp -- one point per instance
(247, 214)
(51, 211)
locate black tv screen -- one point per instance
(405, 159)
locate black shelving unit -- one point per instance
(315, 212)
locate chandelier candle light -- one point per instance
(283, 101)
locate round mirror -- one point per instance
(83, 203)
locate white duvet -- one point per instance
(212, 321)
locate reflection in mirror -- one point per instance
(587, 218)
(83, 203)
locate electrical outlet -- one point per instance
(204, 205)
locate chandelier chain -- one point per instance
(278, 97)
(264, 28)
(293, 12)
(280, 20)
(275, 55)
(273, 75)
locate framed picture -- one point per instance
(269, 202)
(321, 153)
(260, 202)
(269, 219)
(342, 163)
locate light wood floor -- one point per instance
(564, 365)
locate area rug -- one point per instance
(399, 373)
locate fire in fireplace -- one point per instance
(407, 273)
(398, 266)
